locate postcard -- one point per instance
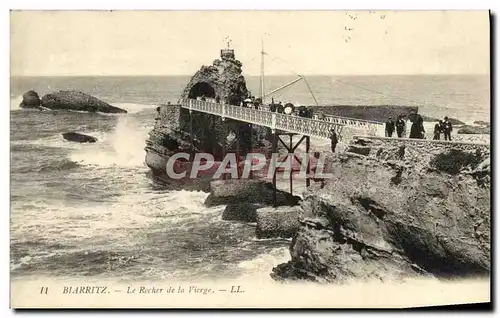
(250, 159)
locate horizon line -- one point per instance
(252, 75)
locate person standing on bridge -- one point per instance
(389, 127)
(437, 130)
(334, 139)
(417, 130)
(447, 129)
(400, 126)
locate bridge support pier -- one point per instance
(191, 135)
(224, 143)
(290, 147)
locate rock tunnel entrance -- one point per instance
(202, 89)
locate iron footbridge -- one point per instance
(313, 127)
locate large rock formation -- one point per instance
(31, 100)
(79, 101)
(383, 216)
(222, 81)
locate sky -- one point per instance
(77, 43)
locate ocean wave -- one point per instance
(59, 165)
(15, 102)
(123, 147)
(266, 261)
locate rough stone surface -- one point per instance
(224, 192)
(31, 100)
(79, 101)
(393, 219)
(280, 222)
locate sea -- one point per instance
(90, 211)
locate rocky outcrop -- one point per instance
(31, 100)
(381, 217)
(177, 130)
(248, 191)
(77, 137)
(222, 81)
(379, 113)
(280, 222)
(469, 130)
(79, 101)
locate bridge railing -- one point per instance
(295, 124)
(249, 115)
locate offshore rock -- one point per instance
(280, 222)
(77, 137)
(31, 100)
(79, 101)
(223, 192)
(391, 219)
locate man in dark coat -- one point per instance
(389, 127)
(437, 130)
(334, 139)
(400, 126)
(447, 129)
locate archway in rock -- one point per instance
(202, 89)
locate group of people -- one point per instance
(417, 128)
(399, 126)
(443, 127)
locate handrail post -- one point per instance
(273, 121)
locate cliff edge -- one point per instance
(396, 212)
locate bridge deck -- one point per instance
(289, 123)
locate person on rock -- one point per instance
(447, 129)
(389, 127)
(333, 139)
(437, 130)
(400, 126)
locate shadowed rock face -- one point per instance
(393, 219)
(79, 101)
